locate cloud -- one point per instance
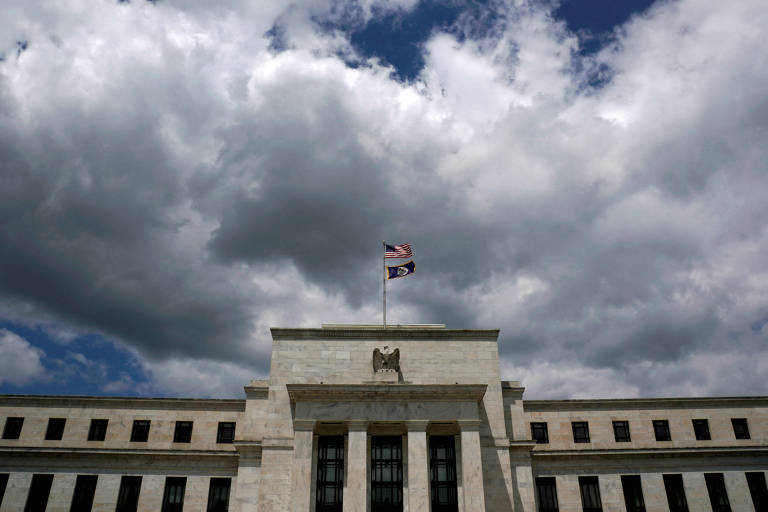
(20, 362)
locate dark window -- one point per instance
(218, 495)
(442, 474)
(12, 428)
(183, 432)
(539, 432)
(173, 496)
(718, 496)
(226, 433)
(580, 431)
(37, 499)
(128, 497)
(546, 494)
(590, 494)
(330, 473)
(3, 483)
(386, 474)
(98, 430)
(621, 431)
(55, 430)
(140, 431)
(633, 493)
(661, 429)
(675, 493)
(85, 488)
(740, 428)
(758, 490)
(701, 429)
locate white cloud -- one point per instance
(20, 362)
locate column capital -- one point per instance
(357, 425)
(303, 425)
(469, 425)
(416, 425)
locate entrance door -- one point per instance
(386, 474)
(442, 474)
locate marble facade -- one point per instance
(323, 383)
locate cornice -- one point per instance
(654, 452)
(114, 402)
(644, 403)
(386, 392)
(388, 334)
(112, 452)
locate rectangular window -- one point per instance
(330, 473)
(590, 494)
(633, 493)
(386, 474)
(740, 428)
(621, 431)
(661, 430)
(718, 496)
(37, 499)
(55, 430)
(173, 496)
(98, 430)
(226, 433)
(183, 432)
(140, 431)
(128, 497)
(3, 484)
(85, 488)
(12, 428)
(701, 429)
(539, 432)
(580, 431)
(442, 474)
(218, 494)
(758, 490)
(673, 484)
(546, 494)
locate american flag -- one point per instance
(398, 251)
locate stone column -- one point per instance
(301, 479)
(472, 466)
(418, 466)
(356, 482)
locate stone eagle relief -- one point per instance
(386, 360)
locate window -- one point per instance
(218, 495)
(12, 428)
(140, 431)
(661, 429)
(226, 433)
(173, 496)
(757, 489)
(97, 430)
(580, 431)
(330, 473)
(633, 493)
(718, 496)
(55, 430)
(183, 432)
(740, 428)
(539, 432)
(701, 429)
(673, 484)
(3, 483)
(128, 497)
(590, 494)
(621, 431)
(386, 474)
(546, 494)
(85, 488)
(37, 499)
(442, 474)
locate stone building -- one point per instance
(359, 418)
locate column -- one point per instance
(301, 474)
(471, 466)
(418, 466)
(356, 481)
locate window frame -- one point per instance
(546, 494)
(220, 439)
(13, 427)
(3, 484)
(174, 486)
(213, 504)
(657, 424)
(85, 491)
(182, 431)
(444, 491)
(55, 429)
(701, 429)
(95, 429)
(757, 489)
(330, 466)
(139, 428)
(590, 483)
(742, 424)
(633, 484)
(583, 428)
(541, 427)
(39, 492)
(380, 464)
(126, 502)
(674, 488)
(717, 492)
(625, 425)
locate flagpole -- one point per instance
(384, 296)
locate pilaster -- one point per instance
(356, 481)
(472, 466)
(301, 474)
(418, 466)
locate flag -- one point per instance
(398, 251)
(403, 270)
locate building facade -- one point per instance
(361, 418)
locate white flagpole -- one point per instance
(384, 304)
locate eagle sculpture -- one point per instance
(386, 360)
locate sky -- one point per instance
(588, 176)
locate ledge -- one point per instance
(644, 403)
(655, 452)
(25, 450)
(115, 402)
(386, 392)
(388, 334)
